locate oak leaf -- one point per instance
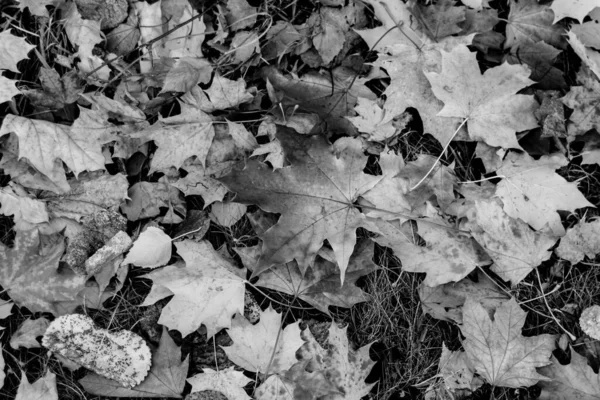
(315, 196)
(494, 113)
(576, 380)
(497, 349)
(531, 191)
(30, 274)
(263, 347)
(208, 290)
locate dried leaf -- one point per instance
(27, 333)
(151, 249)
(227, 381)
(44, 388)
(576, 380)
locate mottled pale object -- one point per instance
(590, 321)
(122, 356)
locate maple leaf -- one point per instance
(445, 302)
(584, 101)
(533, 192)
(262, 347)
(446, 257)
(166, 377)
(151, 249)
(208, 290)
(441, 19)
(409, 86)
(26, 211)
(38, 7)
(315, 196)
(31, 275)
(344, 367)
(29, 330)
(498, 351)
(576, 9)
(455, 369)
(12, 50)
(589, 32)
(515, 248)
(42, 142)
(540, 58)
(320, 284)
(488, 102)
(43, 388)
(580, 241)
(179, 138)
(589, 57)
(531, 22)
(146, 199)
(223, 93)
(296, 383)
(576, 380)
(228, 382)
(8, 89)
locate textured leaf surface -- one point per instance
(31, 275)
(498, 351)
(494, 112)
(533, 192)
(262, 347)
(166, 377)
(576, 380)
(530, 21)
(27, 333)
(315, 197)
(12, 50)
(206, 291)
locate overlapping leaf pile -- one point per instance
(171, 149)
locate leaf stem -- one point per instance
(543, 295)
(441, 154)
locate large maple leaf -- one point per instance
(498, 351)
(208, 290)
(530, 21)
(533, 192)
(488, 102)
(42, 142)
(314, 196)
(320, 285)
(31, 276)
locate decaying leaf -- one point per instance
(580, 241)
(576, 380)
(228, 382)
(27, 333)
(166, 377)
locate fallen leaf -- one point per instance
(227, 213)
(589, 32)
(532, 22)
(315, 197)
(42, 142)
(26, 211)
(441, 19)
(28, 331)
(208, 290)
(576, 9)
(580, 241)
(265, 347)
(497, 349)
(584, 101)
(589, 56)
(515, 248)
(488, 103)
(38, 7)
(533, 192)
(8, 89)
(12, 50)
(223, 93)
(320, 284)
(576, 380)
(228, 382)
(42, 389)
(166, 377)
(151, 249)
(31, 276)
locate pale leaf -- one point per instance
(27, 333)
(8, 89)
(580, 241)
(152, 249)
(576, 380)
(12, 50)
(497, 349)
(42, 389)
(227, 381)
(577, 9)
